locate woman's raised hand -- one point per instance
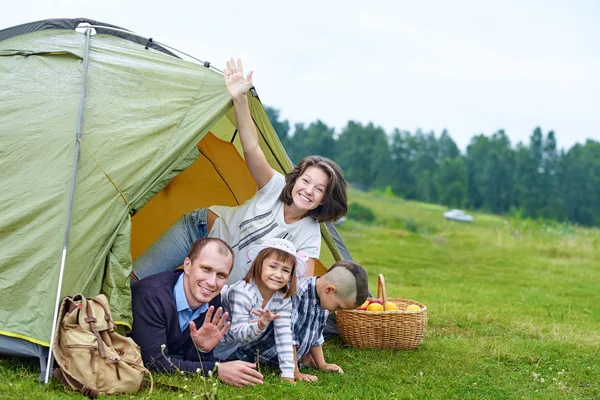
(234, 78)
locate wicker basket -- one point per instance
(383, 329)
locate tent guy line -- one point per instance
(151, 42)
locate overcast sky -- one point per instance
(468, 66)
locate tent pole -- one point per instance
(70, 210)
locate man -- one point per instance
(168, 307)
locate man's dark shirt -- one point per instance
(155, 323)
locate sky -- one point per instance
(471, 67)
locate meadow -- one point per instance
(513, 307)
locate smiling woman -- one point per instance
(289, 207)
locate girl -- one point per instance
(289, 207)
(265, 292)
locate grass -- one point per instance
(513, 306)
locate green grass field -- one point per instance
(513, 307)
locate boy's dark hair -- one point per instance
(222, 247)
(255, 271)
(360, 276)
(335, 203)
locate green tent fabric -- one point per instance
(144, 113)
(137, 138)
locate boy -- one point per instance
(344, 286)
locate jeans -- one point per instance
(173, 246)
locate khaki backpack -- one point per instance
(93, 358)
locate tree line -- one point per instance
(533, 179)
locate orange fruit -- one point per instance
(375, 307)
(389, 306)
(413, 307)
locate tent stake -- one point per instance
(70, 211)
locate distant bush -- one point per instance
(558, 228)
(359, 212)
(385, 192)
(394, 223)
(516, 213)
(411, 225)
(407, 224)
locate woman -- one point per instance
(289, 207)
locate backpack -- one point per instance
(93, 358)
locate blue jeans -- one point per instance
(173, 246)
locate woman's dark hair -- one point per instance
(335, 203)
(255, 271)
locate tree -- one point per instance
(490, 166)
(477, 152)
(531, 199)
(402, 154)
(550, 165)
(447, 148)
(499, 170)
(451, 182)
(521, 154)
(282, 127)
(364, 155)
(318, 138)
(425, 164)
(581, 183)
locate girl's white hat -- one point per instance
(283, 245)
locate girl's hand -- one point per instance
(332, 368)
(304, 377)
(264, 317)
(237, 85)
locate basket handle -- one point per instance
(381, 291)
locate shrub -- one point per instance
(359, 212)
(385, 192)
(411, 225)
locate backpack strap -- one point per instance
(107, 317)
(92, 321)
(69, 381)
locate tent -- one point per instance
(106, 139)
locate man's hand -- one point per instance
(264, 317)
(211, 331)
(331, 368)
(239, 373)
(299, 376)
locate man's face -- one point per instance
(205, 275)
